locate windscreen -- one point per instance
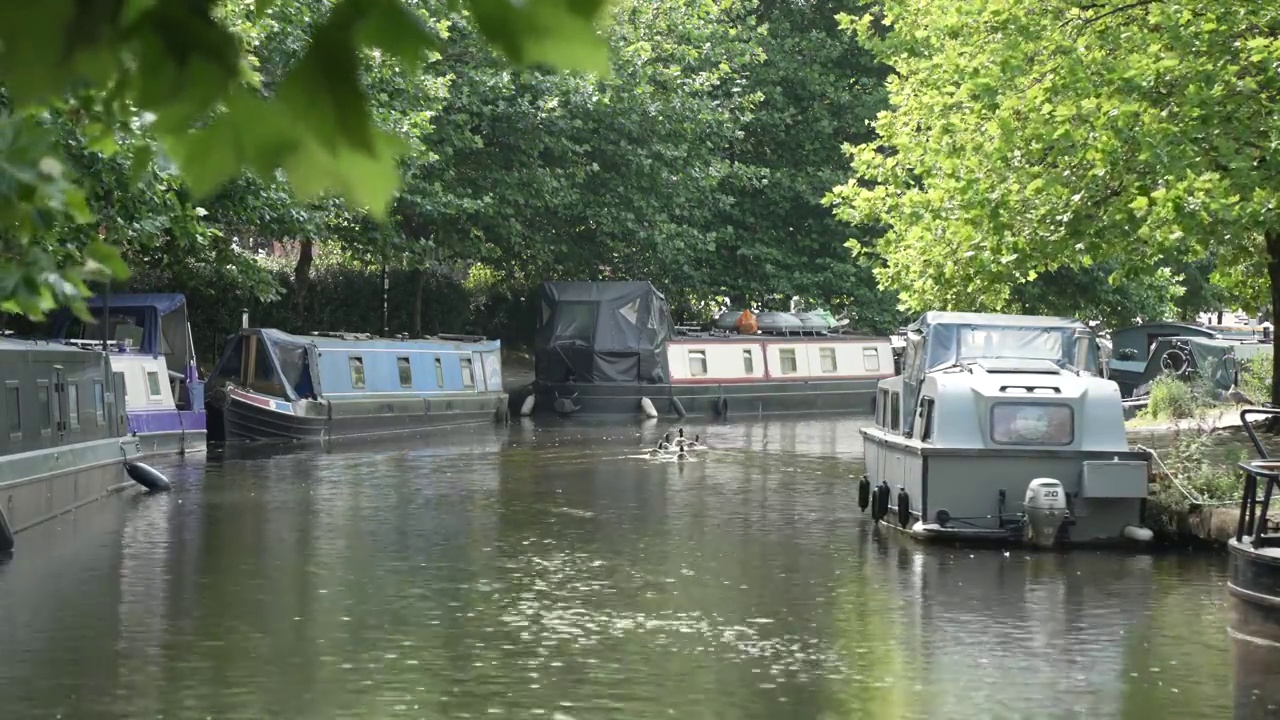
(1021, 343)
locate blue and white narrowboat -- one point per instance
(272, 385)
(149, 340)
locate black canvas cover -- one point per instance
(284, 364)
(601, 332)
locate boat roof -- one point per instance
(360, 341)
(939, 317)
(41, 346)
(164, 303)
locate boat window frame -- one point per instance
(882, 408)
(895, 411)
(468, 373)
(16, 409)
(749, 362)
(871, 353)
(353, 362)
(782, 361)
(73, 405)
(439, 373)
(44, 411)
(150, 372)
(701, 354)
(991, 424)
(823, 354)
(927, 408)
(401, 367)
(100, 401)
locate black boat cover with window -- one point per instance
(284, 364)
(601, 332)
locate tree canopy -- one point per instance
(1025, 140)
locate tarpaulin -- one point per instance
(597, 332)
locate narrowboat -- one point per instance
(272, 385)
(1254, 575)
(1142, 353)
(1000, 429)
(612, 348)
(149, 339)
(65, 439)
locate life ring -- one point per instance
(1174, 361)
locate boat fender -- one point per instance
(1138, 533)
(722, 406)
(883, 501)
(148, 477)
(875, 503)
(564, 406)
(6, 534)
(526, 408)
(942, 517)
(647, 408)
(678, 407)
(864, 493)
(502, 414)
(904, 508)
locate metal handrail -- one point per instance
(1252, 520)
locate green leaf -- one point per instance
(107, 258)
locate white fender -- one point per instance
(646, 407)
(526, 408)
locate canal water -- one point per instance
(550, 572)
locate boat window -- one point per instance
(575, 321)
(99, 401)
(871, 359)
(153, 384)
(356, 365)
(42, 403)
(697, 363)
(895, 411)
(787, 357)
(1032, 424)
(468, 378)
(406, 372)
(926, 414)
(439, 373)
(13, 408)
(73, 405)
(827, 359)
(882, 408)
(748, 362)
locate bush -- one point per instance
(1175, 399)
(1255, 377)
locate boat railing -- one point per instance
(1251, 525)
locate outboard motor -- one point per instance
(1046, 507)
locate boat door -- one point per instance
(59, 401)
(479, 370)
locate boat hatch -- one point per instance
(1113, 479)
(1017, 365)
(1030, 389)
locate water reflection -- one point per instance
(546, 570)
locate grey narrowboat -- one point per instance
(271, 385)
(1254, 576)
(65, 436)
(999, 429)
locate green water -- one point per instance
(550, 573)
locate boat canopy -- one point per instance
(943, 339)
(597, 332)
(281, 364)
(153, 323)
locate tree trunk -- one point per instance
(1273, 274)
(302, 275)
(419, 281)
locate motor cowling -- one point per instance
(1045, 506)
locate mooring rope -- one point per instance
(1191, 494)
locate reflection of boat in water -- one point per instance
(1255, 549)
(999, 430)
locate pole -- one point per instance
(106, 315)
(386, 332)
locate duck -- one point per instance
(682, 456)
(681, 441)
(695, 443)
(665, 442)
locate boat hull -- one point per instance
(854, 396)
(1254, 584)
(170, 432)
(245, 417)
(39, 485)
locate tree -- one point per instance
(179, 68)
(1023, 139)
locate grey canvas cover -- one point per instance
(601, 332)
(941, 339)
(282, 361)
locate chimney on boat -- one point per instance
(244, 318)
